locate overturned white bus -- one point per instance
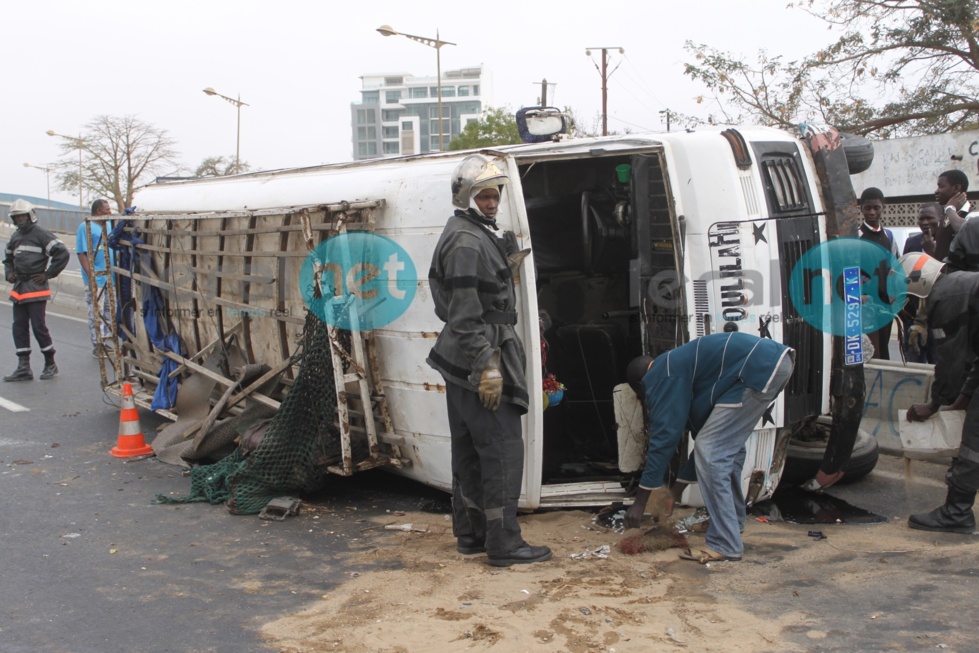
(638, 243)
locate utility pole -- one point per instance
(666, 112)
(543, 91)
(603, 71)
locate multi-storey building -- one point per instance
(398, 113)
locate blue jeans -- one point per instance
(720, 454)
(104, 312)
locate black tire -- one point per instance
(804, 456)
(859, 152)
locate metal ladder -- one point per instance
(107, 347)
(361, 404)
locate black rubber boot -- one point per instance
(523, 555)
(470, 545)
(23, 371)
(50, 370)
(955, 516)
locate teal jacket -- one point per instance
(684, 385)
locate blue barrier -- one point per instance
(57, 220)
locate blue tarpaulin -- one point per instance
(159, 330)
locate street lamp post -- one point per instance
(80, 145)
(436, 43)
(238, 104)
(47, 172)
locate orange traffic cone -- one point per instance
(131, 442)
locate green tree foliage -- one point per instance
(117, 153)
(898, 68)
(495, 127)
(220, 166)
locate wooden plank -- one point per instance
(180, 251)
(212, 416)
(257, 310)
(260, 381)
(334, 207)
(320, 226)
(207, 349)
(214, 376)
(234, 276)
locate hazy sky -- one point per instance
(297, 63)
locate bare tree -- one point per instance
(900, 67)
(117, 152)
(220, 166)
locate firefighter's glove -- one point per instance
(660, 505)
(491, 388)
(917, 337)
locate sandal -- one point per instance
(705, 555)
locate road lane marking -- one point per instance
(7, 442)
(13, 407)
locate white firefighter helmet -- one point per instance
(922, 272)
(20, 207)
(476, 171)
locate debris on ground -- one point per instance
(601, 552)
(654, 539)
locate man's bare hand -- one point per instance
(40, 277)
(634, 513)
(921, 412)
(957, 201)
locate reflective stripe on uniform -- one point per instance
(30, 295)
(53, 243)
(28, 248)
(968, 454)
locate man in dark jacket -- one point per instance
(953, 313)
(917, 346)
(483, 363)
(32, 256)
(872, 206)
(952, 356)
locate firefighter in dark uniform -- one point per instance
(483, 363)
(32, 256)
(953, 313)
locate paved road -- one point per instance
(88, 564)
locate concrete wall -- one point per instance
(909, 167)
